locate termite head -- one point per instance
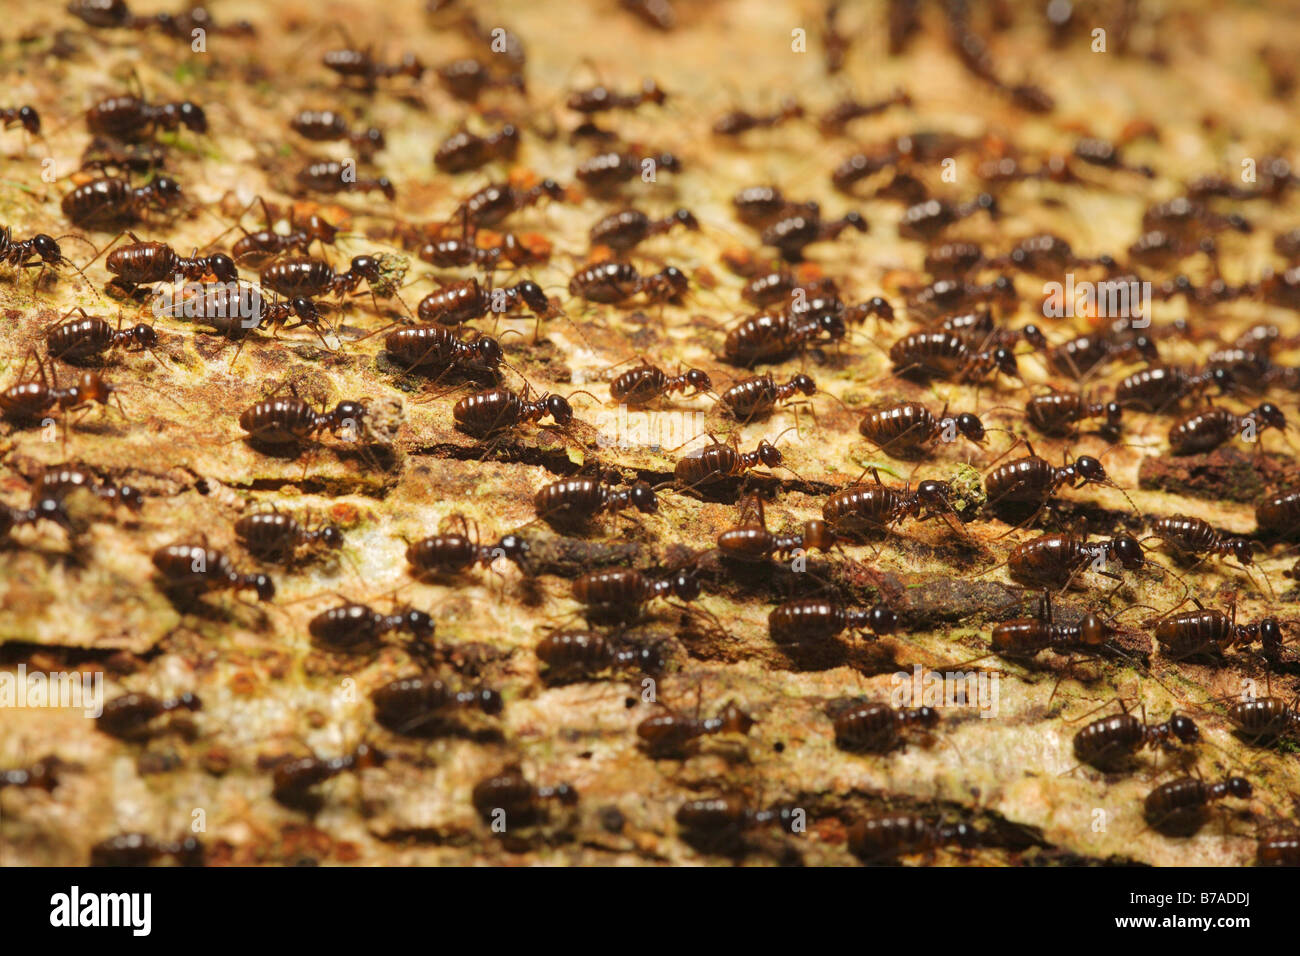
(962, 834)
(513, 548)
(855, 220)
(1184, 728)
(1146, 347)
(882, 619)
(803, 383)
(669, 162)
(91, 388)
(223, 267)
(1240, 549)
(1128, 552)
(48, 249)
(533, 297)
(559, 409)
(166, 189)
(385, 186)
(488, 701)
(30, 119)
(1034, 336)
(685, 585)
(674, 281)
(1270, 415)
(817, 534)
(192, 117)
(305, 309)
(1005, 360)
(1114, 414)
(769, 454)
(565, 794)
(331, 536)
(419, 624)
(1270, 632)
(373, 138)
(643, 498)
(549, 187)
(366, 756)
(1004, 289)
(143, 335)
(699, 380)
(1094, 631)
(934, 494)
(349, 414)
(366, 266)
(1090, 469)
(1239, 787)
(263, 585)
(925, 716)
(970, 426)
(130, 496)
(487, 351)
(686, 218)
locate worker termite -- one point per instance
(281, 422)
(1209, 428)
(1054, 560)
(351, 627)
(102, 203)
(40, 251)
(883, 839)
(864, 509)
(750, 541)
(128, 118)
(132, 716)
(581, 655)
(77, 340)
(293, 778)
(812, 621)
(141, 263)
(509, 249)
(876, 727)
(626, 229)
(1276, 516)
(360, 69)
(1189, 537)
(614, 283)
(1053, 412)
(497, 410)
(140, 849)
(792, 234)
(1110, 743)
(951, 295)
(521, 802)
(323, 126)
(331, 176)
(1265, 721)
(55, 486)
(189, 570)
(569, 504)
(463, 150)
(946, 355)
(953, 260)
(760, 206)
(24, 116)
(719, 824)
(846, 111)
(644, 383)
(1179, 808)
(618, 595)
(29, 402)
(716, 461)
(1160, 387)
(767, 337)
(780, 285)
(900, 430)
(437, 348)
(452, 552)
(738, 122)
(600, 99)
(256, 249)
(467, 78)
(493, 203)
(44, 775)
(1031, 480)
(1027, 637)
(1208, 632)
(1046, 254)
(669, 734)
(235, 309)
(1100, 152)
(1185, 217)
(605, 171)
(1281, 849)
(925, 220)
(758, 396)
(275, 536)
(467, 300)
(423, 706)
(305, 277)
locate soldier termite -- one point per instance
(1179, 808)
(424, 706)
(670, 734)
(571, 503)
(135, 716)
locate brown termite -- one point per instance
(925, 220)
(1179, 808)
(863, 508)
(946, 355)
(43, 775)
(467, 78)
(1185, 217)
(1189, 537)
(103, 203)
(1161, 250)
(792, 234)
(30, 402)
(1277, 515)
(1102, 153)
(1282, 849)
(901, 430)
(624, 230)
(606, 171)
(236, 309)
(305, 277)
(79, 340)
(281, 422)
(51, 491)
(582, 655)
(293, 778)
(1110, 743)
(326, 126)
(1208, 632)
(737, 122)
(256, 249)
(570, 503)
(275, 536)
(757, 397)
(128, 118)
(953, 260)
(618, 595)
(140, 849)
(876, 727)
(614, 283)
(771, 337)
(945, 296)
(359, 68)
(493, 203)
(463, 150)
(39, 252)
(760, 206)
(1265, 721)
(141, 263)
(670, 734)
(189, 570)
(353, 628)
(1046, 254)
(750, 541)
(521, 802)
(467, 299)
(719, 824)
(601, 99)
(883, 839)
(1159, 387)
(1055, 411)
(981, 332)
(1030, 480)
(717, 461)
(1027, 637)
(778, 286)
(133, 716)
(438, 348)
(812, 621)
(423, 706)
(1054, 560)
(508, 249)
(440, 555)
(24, 116)
(1207, 429)
(644, 383)
(846, 111)
(330, 176)
(498, 410)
